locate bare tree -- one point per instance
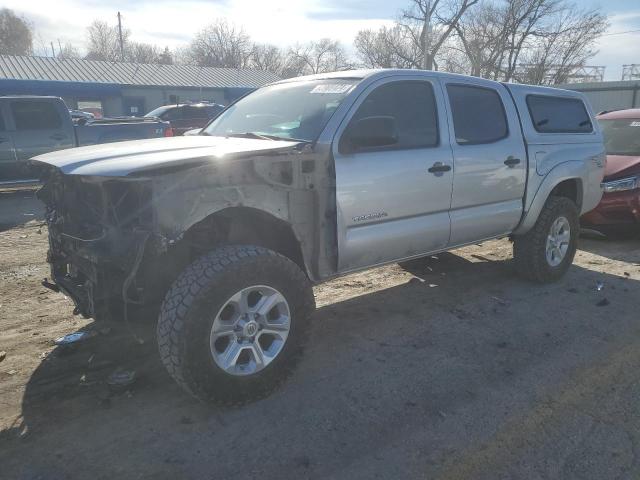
(429, 23)
(324, 55)
(534, 41)
(387, 47)
(141, 53)
(16, 35)
(563, 49)
(221, 44)
(103, 42)
(268, 58)
(68, 52)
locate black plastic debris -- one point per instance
(3, 355)
(603, 303)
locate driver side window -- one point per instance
(408, 107)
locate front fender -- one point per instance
(590, 191)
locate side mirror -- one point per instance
(368, 132)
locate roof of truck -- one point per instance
(383, 72)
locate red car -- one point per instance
(620, 204)
(187, 116)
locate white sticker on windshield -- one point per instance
(332, 88)
(634, 124)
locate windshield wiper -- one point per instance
(258, 136)
(262, 136)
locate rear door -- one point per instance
(390, 205)
(39, 126)
(490, 160)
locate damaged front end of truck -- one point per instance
(117, 242)
(98, 233)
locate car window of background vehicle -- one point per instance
(621, 137)
(35, 116)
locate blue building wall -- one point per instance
(118, 99)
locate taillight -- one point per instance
(168, 132)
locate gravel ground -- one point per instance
(448, 367)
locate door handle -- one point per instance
(58, 136)
(439, 167)
(511, 161)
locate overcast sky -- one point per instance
(282, 22)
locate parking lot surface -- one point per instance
(448, 367)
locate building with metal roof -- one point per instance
(120, 88)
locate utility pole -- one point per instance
(426, 61)
(53, 52)
(120, 37)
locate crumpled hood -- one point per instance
(138, 156)
(620, 166)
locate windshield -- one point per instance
(296, 111)
(621, 137)
(158, 111)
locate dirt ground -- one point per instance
(448, 367)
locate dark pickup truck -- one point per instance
(32, 125)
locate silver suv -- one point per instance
(223, 234)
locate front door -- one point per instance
(393, 200)
(490, 159)
(38, 127)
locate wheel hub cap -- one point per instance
(250, 330)
(558, 241)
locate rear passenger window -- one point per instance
(412, 104)
(558, 115)
(172, 114)
(478, 114)
(28, 115)
(195, 112)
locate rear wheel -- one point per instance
(545, 252)
(233, 324)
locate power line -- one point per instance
(619, 33)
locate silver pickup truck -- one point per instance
(223, 234)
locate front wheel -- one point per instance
(546, 252)
(233, 324)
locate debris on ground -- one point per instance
(3, 355)
(599, 285)
(502, 302)
(121, 379)
(626, 274)
(73, 338)
(603, 303)
(105, 330)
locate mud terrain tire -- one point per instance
(189, 310)
(530, 249)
